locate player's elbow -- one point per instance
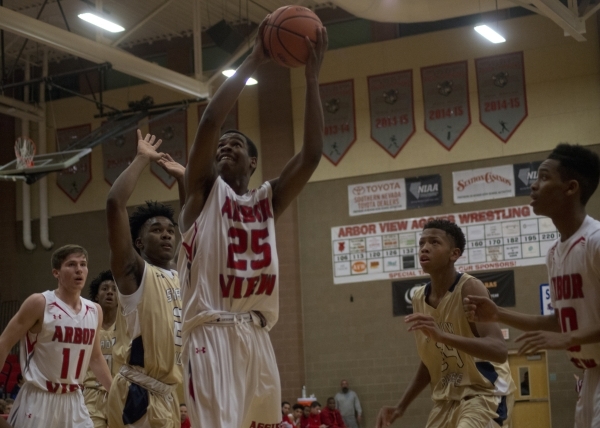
(499, 352)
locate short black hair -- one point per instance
(145, 212)
(315, 404)
(580, 164)
(297, 406)
(105, 275)
(452, 230)
(252, 150)
(283, 403)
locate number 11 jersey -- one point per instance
(228, 260)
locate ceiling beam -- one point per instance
(562, 16)
(82, 47)
(140, 24)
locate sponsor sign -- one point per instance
(545, 301)
(446, 101)
(525, 175)
(117, 154)
(391, 105)
(425, 191)
(501, 286)
(482, 184)
(74, 179)
(340, 124)
(377, 197)
(173, 131)
(495, 239)
(231, 121)
(501, 89)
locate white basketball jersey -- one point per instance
(56, 359)
(574, 272)
(228, 261)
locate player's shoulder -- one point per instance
(36, 299)
(473, 286)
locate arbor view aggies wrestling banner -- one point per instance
(74, 179)
(340, 125)
(173, 132)
(496, 239)
(446, 101)
(501, 286)
(391, 105)
(501, 89)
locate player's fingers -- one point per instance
(168, 157)
(325, 39)
(139, 135)
(475, 299)
(147, 137)
(158, 143)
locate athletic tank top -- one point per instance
(107, 341)
(574, 272)
(154, 326)
(56, 359)
(455, 374)
(228, 260)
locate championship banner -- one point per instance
(391, 105)
(340, 124)
(231, 121)
(495, 239)
(446, 101)
(425, 191)
(74, 179)
(173, 131)
(501, 286)
(525, 176)
(481, 184)
(117, 154)
(377, 197)
(501, 89)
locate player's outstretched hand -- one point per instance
(316, 53)
(480, 309)
(258, 51)
(426, 324)
(173, 168)
(387, 415)
(148, 146)
(534, 341)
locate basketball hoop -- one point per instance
(24, 151)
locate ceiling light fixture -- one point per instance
(101, 22)
(230, 72)
(489, 34)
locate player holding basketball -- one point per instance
(228, 264)
(143, 392)
(465, 363)
(58, 341)
(104, 292)
(566, 181)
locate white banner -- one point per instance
(482, 184)
(545, 302)
(496, 239)
(377, 197)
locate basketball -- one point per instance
(283, 36)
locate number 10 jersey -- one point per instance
(228, 260)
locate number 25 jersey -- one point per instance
(228, 260)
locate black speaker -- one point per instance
(225, 36)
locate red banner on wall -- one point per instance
(117, 154)
(446, 101)
(340, 125)
(173, 132)
(391, 104)
(501, 89)
(74, 179)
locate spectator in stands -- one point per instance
(3, 408)
(185, 421)
(9, 404)
(348, 404)
(286, 421)
(17, 387)
(305, 417)
(314, 420)
(332, 417)
(298, 411)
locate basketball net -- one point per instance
(24, 151)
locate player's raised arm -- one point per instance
(29, 316)
(299, 169)
(201, 173)
(126, 264)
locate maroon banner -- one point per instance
(231, 121)
(391, 105)
(446, 101)
(173, 131)
(501, 90)
(117, 154)
(340, 124)
(74, 179)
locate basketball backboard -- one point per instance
(47, 162)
